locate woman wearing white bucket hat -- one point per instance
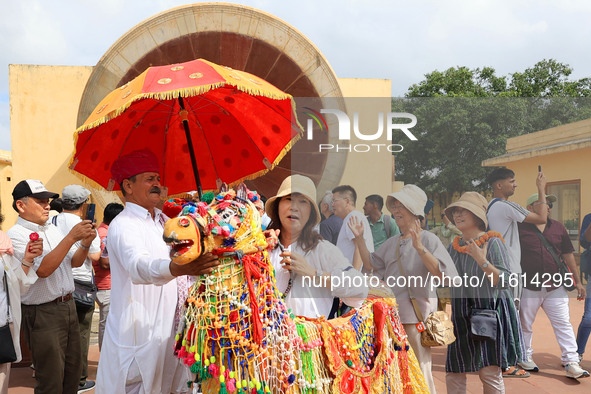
(304, 258)
(422, 257)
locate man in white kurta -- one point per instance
(137, 354)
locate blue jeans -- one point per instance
(585, 325)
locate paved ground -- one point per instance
(550, 379)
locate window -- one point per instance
(568, 207)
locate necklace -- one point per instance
(479, 241)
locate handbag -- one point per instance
(563, 269)
(84, 293)
(484, 324)
(7, 351)
(438, 327)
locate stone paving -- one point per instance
(550, 379)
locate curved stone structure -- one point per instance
(242, 38)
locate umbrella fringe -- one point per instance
(185, 93)
(90, 182)
(260, 173)
(250, 177)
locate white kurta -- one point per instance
(140, 328)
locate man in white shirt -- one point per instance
(49, 318)
(74, 198)
(137, 353)
(503, 216)
(344, 199)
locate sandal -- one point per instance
(516, 372)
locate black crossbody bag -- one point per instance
(484, 323)
(85, 293)
(562, 267)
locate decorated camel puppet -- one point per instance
(237, 335)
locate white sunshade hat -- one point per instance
(412, 197)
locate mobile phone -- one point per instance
(90, 209)
(539, 168)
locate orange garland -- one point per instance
(479, 241)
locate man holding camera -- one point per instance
(49, 322)
(74, 204)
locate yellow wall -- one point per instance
(371, 172)
(564, 166)
(43, 108)
(6, 186)
(564, 152)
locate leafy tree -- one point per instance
(466, 116)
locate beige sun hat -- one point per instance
(473, 202)
(290, 185)
(412, 197)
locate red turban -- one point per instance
(134, 163)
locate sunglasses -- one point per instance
(549, 204)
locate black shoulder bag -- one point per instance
(7, 351)
(562, 267)
(85, 293)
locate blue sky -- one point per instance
(397, 40)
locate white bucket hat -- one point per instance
(412, 197)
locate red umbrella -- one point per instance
(207, 124)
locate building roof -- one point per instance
(568, 137)
(5, 157)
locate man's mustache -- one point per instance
(155, 190)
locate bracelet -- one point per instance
(27, 264)
(84, 246)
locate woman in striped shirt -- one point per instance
(481, 260)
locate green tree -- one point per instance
(466, 115)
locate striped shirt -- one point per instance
(465, 354)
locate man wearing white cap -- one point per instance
(544, 289)
(74, 198)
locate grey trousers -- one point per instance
(491, 378)
(85, 322)
(51, 332)
(103, 299)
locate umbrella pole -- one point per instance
(183, 114)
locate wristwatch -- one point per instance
(422, 252)
(485, 264)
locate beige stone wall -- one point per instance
(368, 172)
(564, 152)
(43, 108)
(6, 186)
(559, 167)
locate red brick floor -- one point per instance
(550, 379)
